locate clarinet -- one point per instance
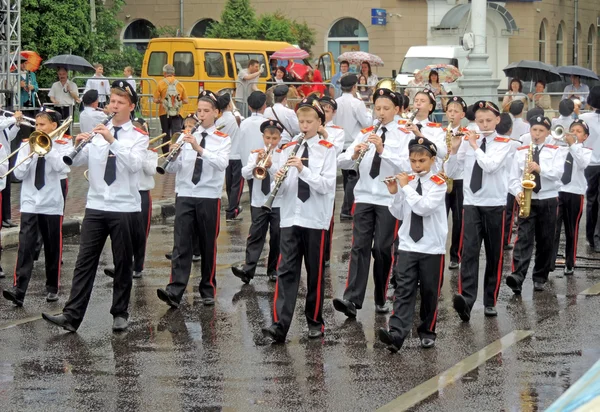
(161, 170)
(68, 159)
(269, 203)
(361, 155)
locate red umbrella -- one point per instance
(290, 53)
(33, 60)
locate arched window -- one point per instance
(590, 48)
(542, 42)
(138, 34)
(559, 45)
(347, 35)
(200, 28)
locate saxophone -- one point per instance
(528, 184)
(449, 181)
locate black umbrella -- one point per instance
(532, 70)
(69, 62)
(577, 71)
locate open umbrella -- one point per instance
(447, 73)
(69, 62)
(533, 70)
(290, 53)
(357, 57)
(32, 59)
(577, 71)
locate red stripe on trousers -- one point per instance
(576, 234)
(440, 280)
(275, 317)
(499, 271)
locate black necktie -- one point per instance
(40, 171)
(376, 165)
(198, 166)
(265, 186)
(568, 173)
(303, 189)
(416, 221)
(477, 174)
(110, 172)
(536, 159)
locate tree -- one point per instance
(238, 21)
(275, 27)
(304, 35)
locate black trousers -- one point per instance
(329, 236)
(170, 125)
(349, 184)
(570, 209)
(592, 175)
(298, 243)
(142, 229)
(482, 224)
(205, 215)
(50, 226)
(262, 222)
(454, 203)
(422, 272)
(234, 185)
(64, 187)
(374, 230)
(512, 207)
(538, 227)
(97, 225)
(6, 212)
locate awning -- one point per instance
(455, 15)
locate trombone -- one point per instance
(260, 170)
(174, 138)
(30, 120)
(40, 143)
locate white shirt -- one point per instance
(101, 84)
(215, 158)
(130, 150)
(10, 129)
(320, 175)
(435, 133)
(431, 206)
(493, 163)
(258, 198)
(352, 115)
(131, 82)
(231, 128)
(519, 128)
(251, 137)
(4, 165)
(394, 159)
(148, 170)
(63, 145)
(336, 135)
(90, 118)
(49, 199)
(287, 117)
(61, 93)
(552, 165)
(564, 121)
(593, 141)
(580, 92)
(581, 160)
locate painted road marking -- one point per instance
(14, 323)
(580, 394)
(594, 290)
(439, 382)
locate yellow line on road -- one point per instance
(435, 384)
(14, 323)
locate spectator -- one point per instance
(515, 92)
(247, 82)
(29, 86)
(63, 93)
(437, 88)
(365, 70)
(128, 73)
(280, 75)
(363, 90)
(576, 90)
(414, 86)
(100, 83)
(335, 89)
(318, 86)
(307, 87)
(91, 116)
(542, 100)
(170, 95)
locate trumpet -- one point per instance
(559, 133)
(269, 203)
(172, 155)
(68, 159)
(363, 152)
(40, 143)
(260, 170)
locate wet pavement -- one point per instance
(215, 358)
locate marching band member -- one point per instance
(483, 163)
(504, 129)
(422, 249)
(566, 108)
(234, 182)
(262, 220)
(283, 114)
(3, 169)
(375, 228)
(42, 206)
(307, 195)
(571, 193)
(114, 156)
(10, 126)
(251, 136)
(547, 168)
(519, 126)
(592, 172)
(352, 116)
(91, 114)
(200, 168)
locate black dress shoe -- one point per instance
(569, 271)
(382, 308)
(59, 320)
(490, 311)
(119, 324)
(393, 344)
(272, 276)
(196, 258)
(314, 333)
(168, 299)
(8, 223)
(13, 296)
(208, 302)
(273, 333)
(110, 273)
(427, 343)
(138, 275)
(168, 256)
(326, 264)
(345, 217)
(539, 286)
(51, 297)
(239, 272)
(453, 265)
(344, 306)
(509, 246)
(461, 307)
(514, 283)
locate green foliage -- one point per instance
(238, 21)
(164, 31)
(275, 27)
(304, 35)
